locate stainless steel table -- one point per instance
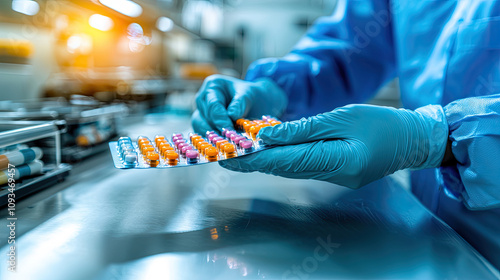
(205, 222)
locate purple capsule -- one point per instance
(185, 149)
(179, 142)
(215, 139)
(178, 135)
(192, 156)
(247, 145)
(234, 136)
(230, 133)
(238, 140)
(209, 132)
(182, 145)
(212, 136)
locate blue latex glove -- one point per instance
(222, 100)
(351, 146)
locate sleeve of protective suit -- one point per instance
(474, 125)
(343, 59)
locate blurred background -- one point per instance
(122, 50)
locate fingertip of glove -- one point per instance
(269, 134)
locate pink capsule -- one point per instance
(212, 136)
(238, 140)
(215, 139)
(234, 136)
(230, 133)
(179, 142)
(246, 144)
(186, 148)
(182, 145)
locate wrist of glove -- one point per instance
(351, 146)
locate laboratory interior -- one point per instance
(113, 166)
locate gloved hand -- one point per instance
(351, 146)
(222, 100)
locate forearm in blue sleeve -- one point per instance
(342, 59)
(474, 125)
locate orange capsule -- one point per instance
(228, 148)
(254, 130)
(196, 140)
(193, 135)
(147, 149)
(166, 150)
(172, 157)
(162, 147)
(153, 159)
(230, 151)
(144, 145)
(211, 153)
(203, 146)
(160, 142)
(247, 125)
(158, 138)
(220, 142)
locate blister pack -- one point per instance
(178, 150)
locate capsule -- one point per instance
(32, 168)
(147, 150)
(247, 145)
(185, 149)
(142, 138)
(230, 133)
(127, 151)
(130, 159)
(238, 140)
(220, 142)
(195, 140)
(124, 140)
(191, 135)
(212, 136)
(229, 150)
(254, 130)
(192, 156)
(159, 139)
(215, 139)
(179, 142)
(210, 132)
(176, 135)
(182, 145)
(211, 154)
(153, 159)
(234, 137)
(172, 157)
(203, 146)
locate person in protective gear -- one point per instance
(446, 55)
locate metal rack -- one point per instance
(76, 114)
(18, 132)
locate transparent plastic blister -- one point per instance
(178, 150)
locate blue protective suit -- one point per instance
(443, 53)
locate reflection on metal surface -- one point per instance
(213, 234)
